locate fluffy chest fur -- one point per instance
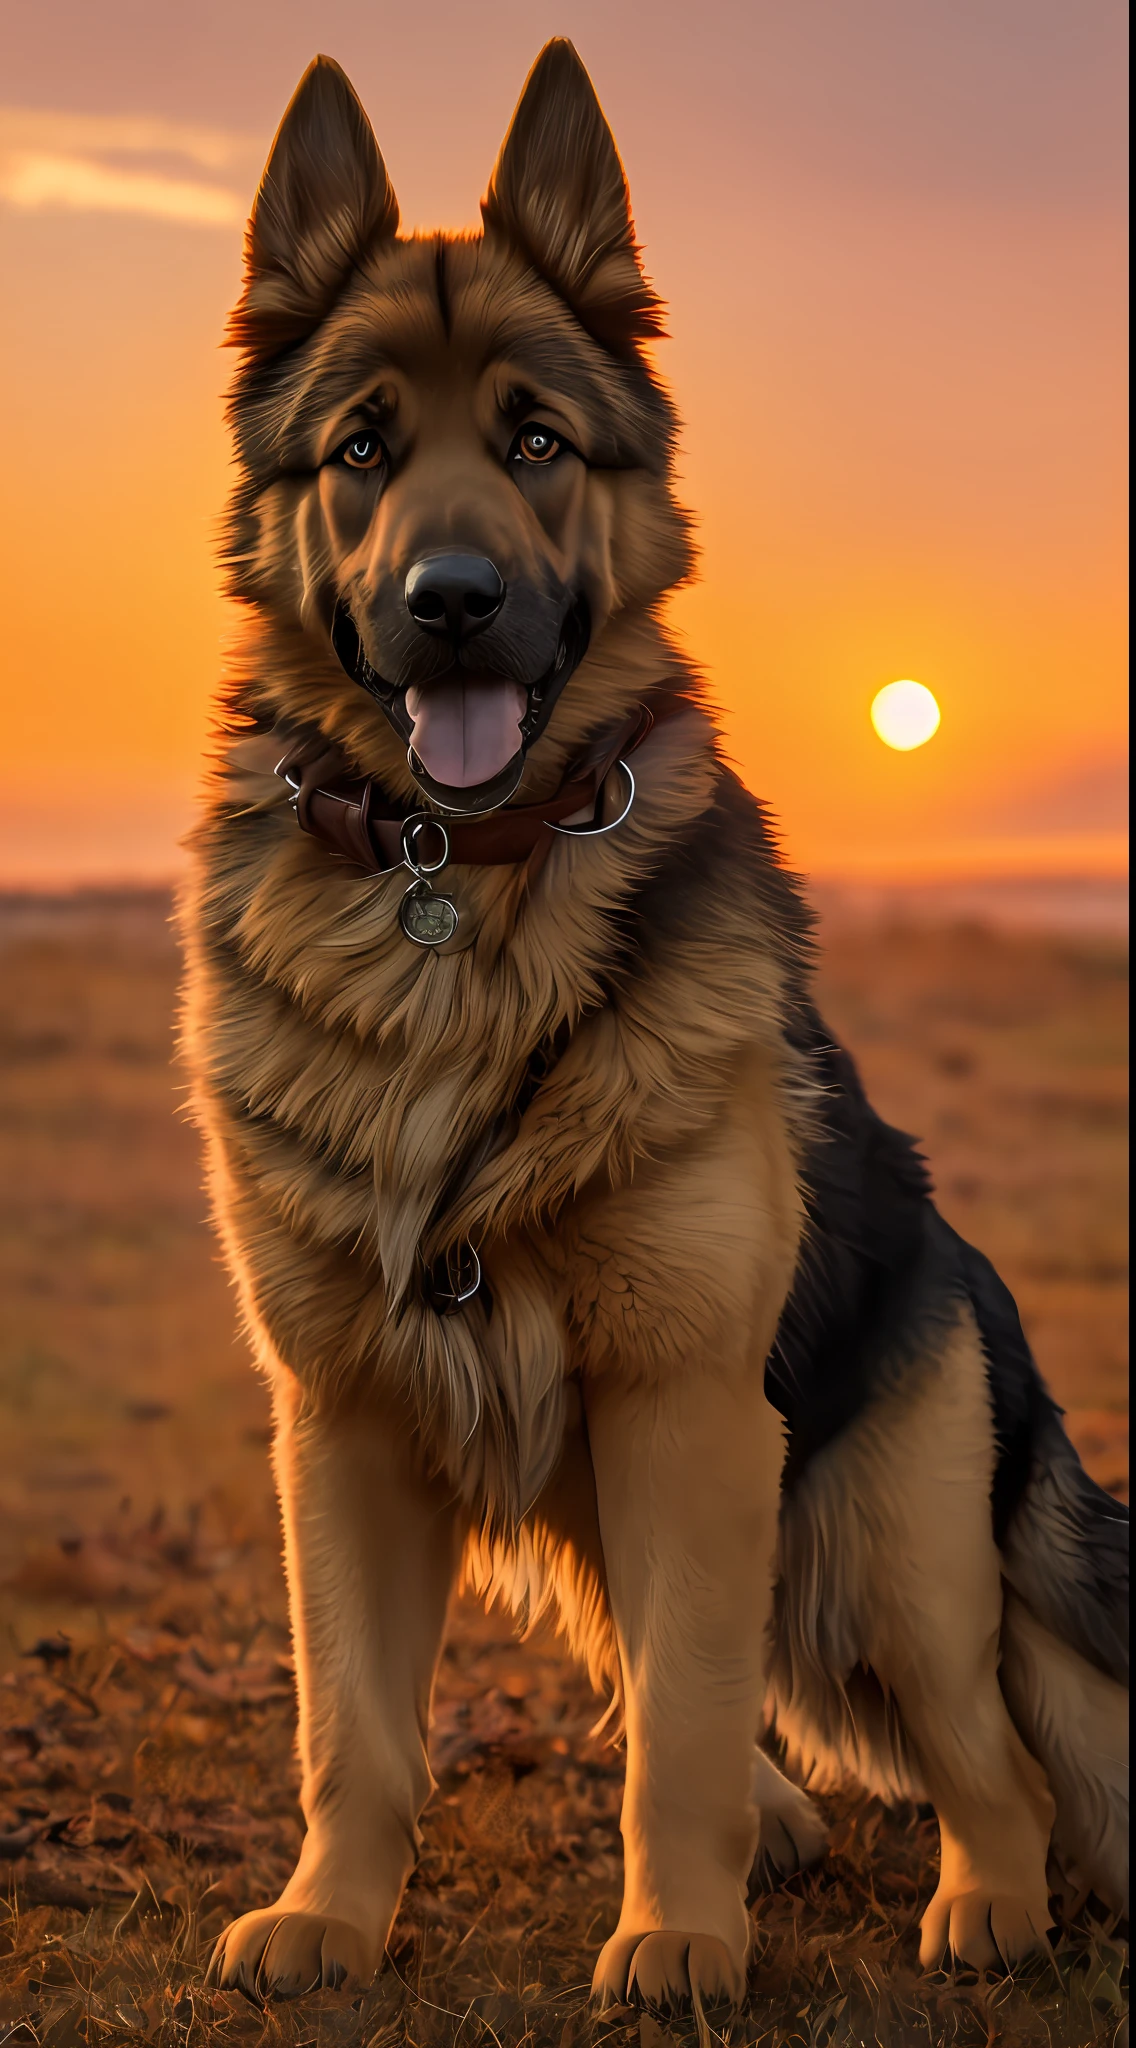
(650, 1190)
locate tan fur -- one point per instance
(597, 1440)
(889, 1647)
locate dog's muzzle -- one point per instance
(541, 695)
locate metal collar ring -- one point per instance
(412, 830)
(597, 831)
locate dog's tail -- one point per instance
(1074, 1719)
(1064, 1546)
(1065, 1553)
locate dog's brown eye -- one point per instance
(363, 451)
(537, 444)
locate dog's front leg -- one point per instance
(371, 1549)
(687, 1470)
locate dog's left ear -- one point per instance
(559, 196)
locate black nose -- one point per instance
(454, 596)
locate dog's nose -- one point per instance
(454, 596)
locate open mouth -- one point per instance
(467, 734)
(466, 728)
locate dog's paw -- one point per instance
(793, 1834)
(667, 1972)
(279, 1954)
(981, 1930)
(790, 1840)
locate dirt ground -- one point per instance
(147, 1785)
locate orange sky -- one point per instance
(891, 237)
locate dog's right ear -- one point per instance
(325, 197)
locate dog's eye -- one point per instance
(363, 451)
(535, 443)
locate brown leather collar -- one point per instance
(354, 816)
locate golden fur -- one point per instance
(593, 1433)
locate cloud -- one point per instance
(53, 161)
(1084, 796)
(34, 182)
(1098, 854)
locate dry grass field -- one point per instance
(147, 1785)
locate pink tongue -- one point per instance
(466, 731)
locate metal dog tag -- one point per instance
(426, 918)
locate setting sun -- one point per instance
(905, 715)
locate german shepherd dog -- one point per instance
(573, 1253)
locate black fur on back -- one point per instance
(880, 1277)
(862, 1296)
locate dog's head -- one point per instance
(456, 459)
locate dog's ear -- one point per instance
(559, 196)
(325, 197)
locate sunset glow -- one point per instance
(902, 394)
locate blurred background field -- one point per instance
(146, 1778)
